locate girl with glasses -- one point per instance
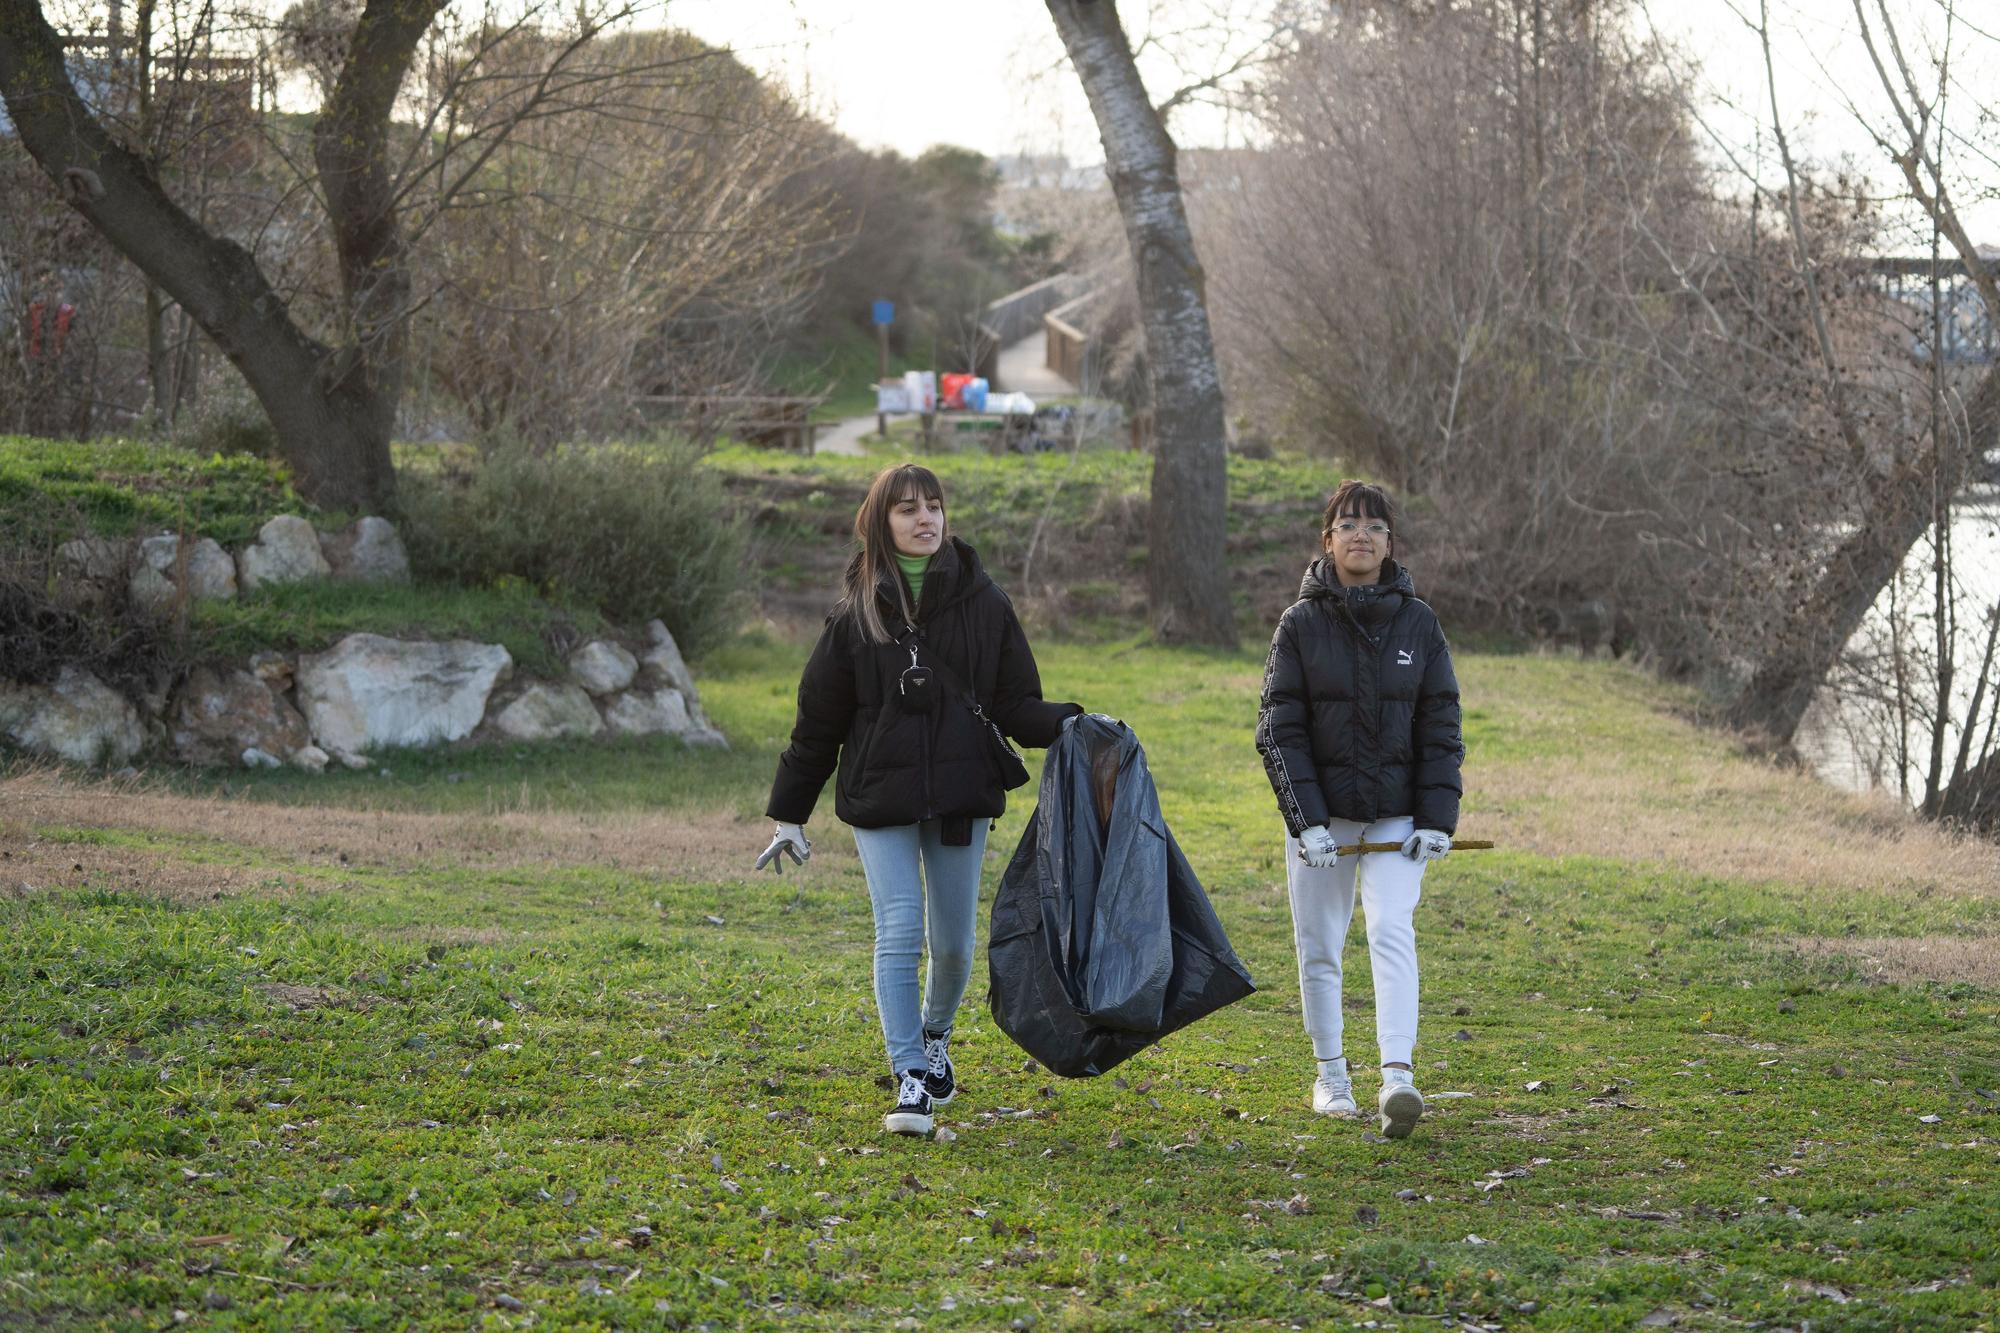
(919, 663)
(1360, 734)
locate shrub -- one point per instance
(637, 531)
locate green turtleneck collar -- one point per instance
(913, 569)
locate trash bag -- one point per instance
(1102, 940)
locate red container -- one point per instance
(951, 388)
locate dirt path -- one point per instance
(846, 437)
(243, 838)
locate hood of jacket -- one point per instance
(1369, 604)
(955, 574)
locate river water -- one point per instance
(1849, 734)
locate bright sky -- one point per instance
(909, 73)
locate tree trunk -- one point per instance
(1974, 799)
(1805, 647)
(1187, 571)
(332, 410)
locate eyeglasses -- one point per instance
(1347, 527)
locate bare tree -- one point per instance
(1902, 504)
(1187, 579)
(644, 243)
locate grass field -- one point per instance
(513, 1038)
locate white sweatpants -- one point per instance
(1323, 905)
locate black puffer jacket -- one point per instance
(1359, 718)
(899, 767)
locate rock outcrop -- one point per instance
(78, 718)
(368, 692)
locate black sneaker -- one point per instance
(940, 1079)
(912, 1114)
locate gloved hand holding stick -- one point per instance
(1314, 856)
(1451, 844)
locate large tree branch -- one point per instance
(351, 150)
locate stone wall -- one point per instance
(364, 693)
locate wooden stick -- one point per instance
(1458, 845)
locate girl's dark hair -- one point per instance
(877, 556)
(1358, 499)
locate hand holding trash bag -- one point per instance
(1102, 939)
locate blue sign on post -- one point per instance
(885, 312)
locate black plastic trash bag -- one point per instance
(1102, 940)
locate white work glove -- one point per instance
(790, 840)
(1318, 847)
(1426, 844)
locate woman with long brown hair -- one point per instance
(921, 672)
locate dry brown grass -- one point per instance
(1726, 817)
(1902, 960)
(313, 841)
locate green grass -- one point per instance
(649, 1100)
(125, 487)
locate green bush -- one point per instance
(636, 531)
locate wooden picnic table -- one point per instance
(770, 419)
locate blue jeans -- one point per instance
(909, 870)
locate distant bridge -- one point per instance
(1965, 326)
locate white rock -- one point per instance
(368, 692)
(273, 668)
(220, 715)
(286, 551)
(546, 712)
(151, 590)
(211, 573)
(256, 758)
(95, 557)
(79, 718)
(311, 758)
(367, 551)
(666, 662)
(602, 667)
(705, 735)
(649, 713)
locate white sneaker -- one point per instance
(1401, 1106)
(1333, 1094)
(912, 1112)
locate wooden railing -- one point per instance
(1069, 350)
